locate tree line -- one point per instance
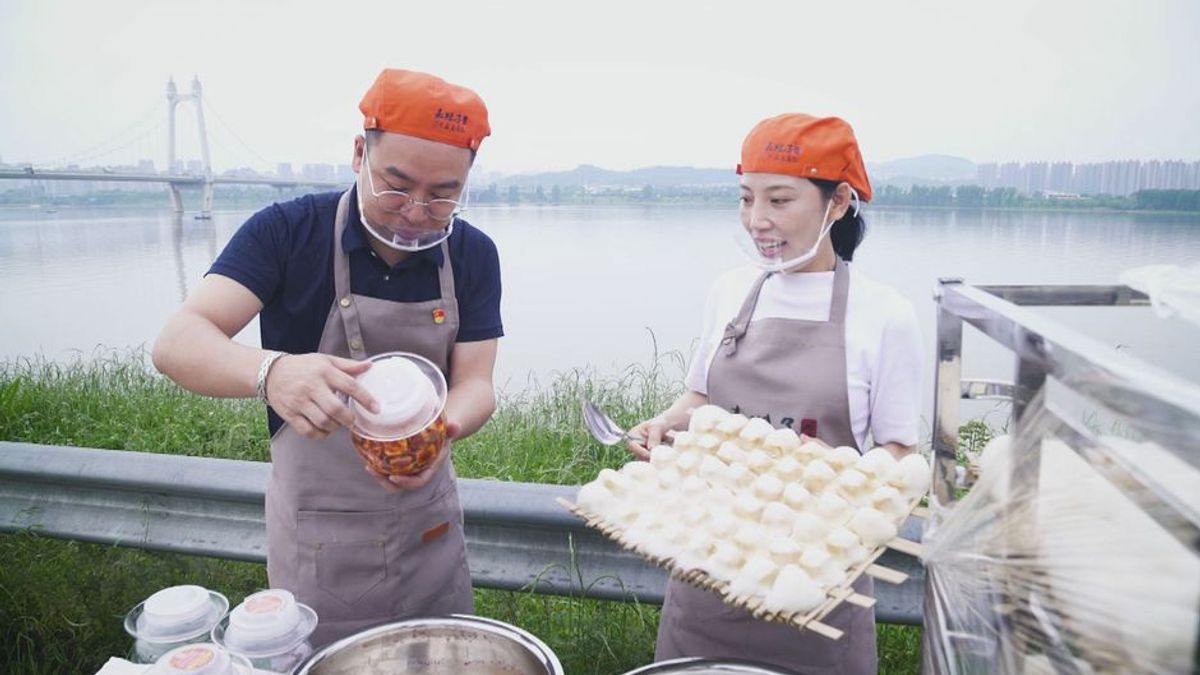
(975, 196)
(962, 196)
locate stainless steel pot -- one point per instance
(708, 667)
(450, 645)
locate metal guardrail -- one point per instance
(517, 536)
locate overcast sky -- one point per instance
(613, 83)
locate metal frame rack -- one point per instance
(1155, 405)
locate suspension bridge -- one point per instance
(174, 177)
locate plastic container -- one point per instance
(270, 629)
(448, 645)
(204, 658)
(172, 617)
(407, 433)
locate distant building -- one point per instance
(1035, 175)
(986, 174)
(1061, 196)
(1112, 178)
(241, 172)
(318, 172)
(1060, 177)
(1011, 176)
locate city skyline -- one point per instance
(993, 174)
(1117, 177)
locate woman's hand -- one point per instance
(653, 430)
(656, 428)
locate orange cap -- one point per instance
(425, 106)
(801, 145)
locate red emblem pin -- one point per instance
(439, 316)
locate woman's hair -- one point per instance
(848, 232)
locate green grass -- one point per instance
(61, 602)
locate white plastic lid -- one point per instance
(408, 399)
(267, 623)
(200, 659)
(176, 613)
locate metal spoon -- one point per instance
(603, 428)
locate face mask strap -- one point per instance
(826, 227)
(785, 265)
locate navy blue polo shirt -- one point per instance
(284, 255)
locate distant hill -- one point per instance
(925, 170)
(594, 176)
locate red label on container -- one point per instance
(263, 604)
(192, 658)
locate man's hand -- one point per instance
(419, 480)
(303, 389)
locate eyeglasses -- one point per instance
(395, 201)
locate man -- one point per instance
(335, 278)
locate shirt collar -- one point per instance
(355, 238)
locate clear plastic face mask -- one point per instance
(407, 239)
(767, 252)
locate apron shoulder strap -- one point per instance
(841, 291)
(446, 273)
(347, 308)
(735, 329)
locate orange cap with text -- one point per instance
(425, 106)
(801, 145)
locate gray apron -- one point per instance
(356, 552)
(792, 372)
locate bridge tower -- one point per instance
(174, 98)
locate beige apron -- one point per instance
(357, 553)
(793, 372)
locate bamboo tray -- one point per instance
(810, 620)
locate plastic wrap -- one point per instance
(1073, 553)
(1172, 289)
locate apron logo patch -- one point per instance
(808, 427)
(435, 532)
(439, 316)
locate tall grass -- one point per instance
(61, 602)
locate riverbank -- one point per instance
(61, 602)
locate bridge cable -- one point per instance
(95, 150)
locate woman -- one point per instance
(803, 341)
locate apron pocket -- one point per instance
(346, 563)
(436, 578)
